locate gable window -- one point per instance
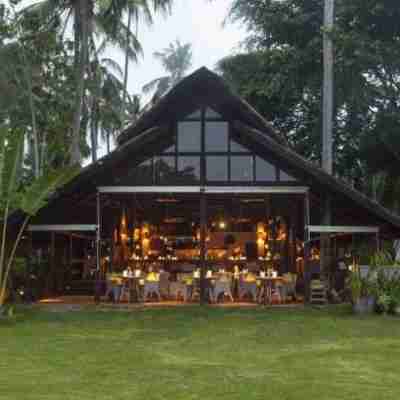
(242, 168)
(265, 171)
(217, 168)
(189, 168)
(189, 136)
(211, 114)
(204, 149)
(216, 136)
(285, 177)
(237, 148)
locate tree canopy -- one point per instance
(280, 73)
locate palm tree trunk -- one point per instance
(108, 142)
(35, 139)
(93, 130)
(27, 68)
(327, 130)
(82, 21)
(126, 71)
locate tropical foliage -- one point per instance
(280, 73)
(59, 96)
(20, 201)
(176, 60)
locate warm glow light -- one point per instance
(124, 237)
(222, 225)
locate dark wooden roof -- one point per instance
(202, 87)
(206, 88)
(317, 176)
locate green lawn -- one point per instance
(200, 353)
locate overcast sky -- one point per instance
(198, 22)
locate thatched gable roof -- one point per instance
(202, 87)
(206, 88)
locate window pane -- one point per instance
(242, 168)
(189, 136)
(164, 169)
(286, 177)
(264, 170)
(217, 168)
(188, 170)
(238, 148)
(210, 113)
(216, 136)
(195, 115)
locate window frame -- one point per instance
(203, 154)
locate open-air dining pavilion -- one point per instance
(202, 200)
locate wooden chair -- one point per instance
(151, 288)
(224, 288)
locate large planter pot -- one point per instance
(364, 305)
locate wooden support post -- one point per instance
(325, 242)
(203, 235)
(51, 279)
(70, 255)
(378, 242)
(97, 291)
(306, 245)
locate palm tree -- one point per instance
(176, 59)
(104, 100)
(90, 17)
(137, 10)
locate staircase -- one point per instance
(317, 292)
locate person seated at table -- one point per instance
(152, 276)
(127, 272)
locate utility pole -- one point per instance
(327, 129)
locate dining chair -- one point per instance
(177, 289)
(222, 287)
(151, 288)
(247, 288)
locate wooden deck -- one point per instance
(75, 303)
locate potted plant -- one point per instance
(362, 289)
(396, 300)
(387, 282)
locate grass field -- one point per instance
(199, 353)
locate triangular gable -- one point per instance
(201, 88)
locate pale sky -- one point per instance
(198, 22)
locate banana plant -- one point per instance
(20, 201)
